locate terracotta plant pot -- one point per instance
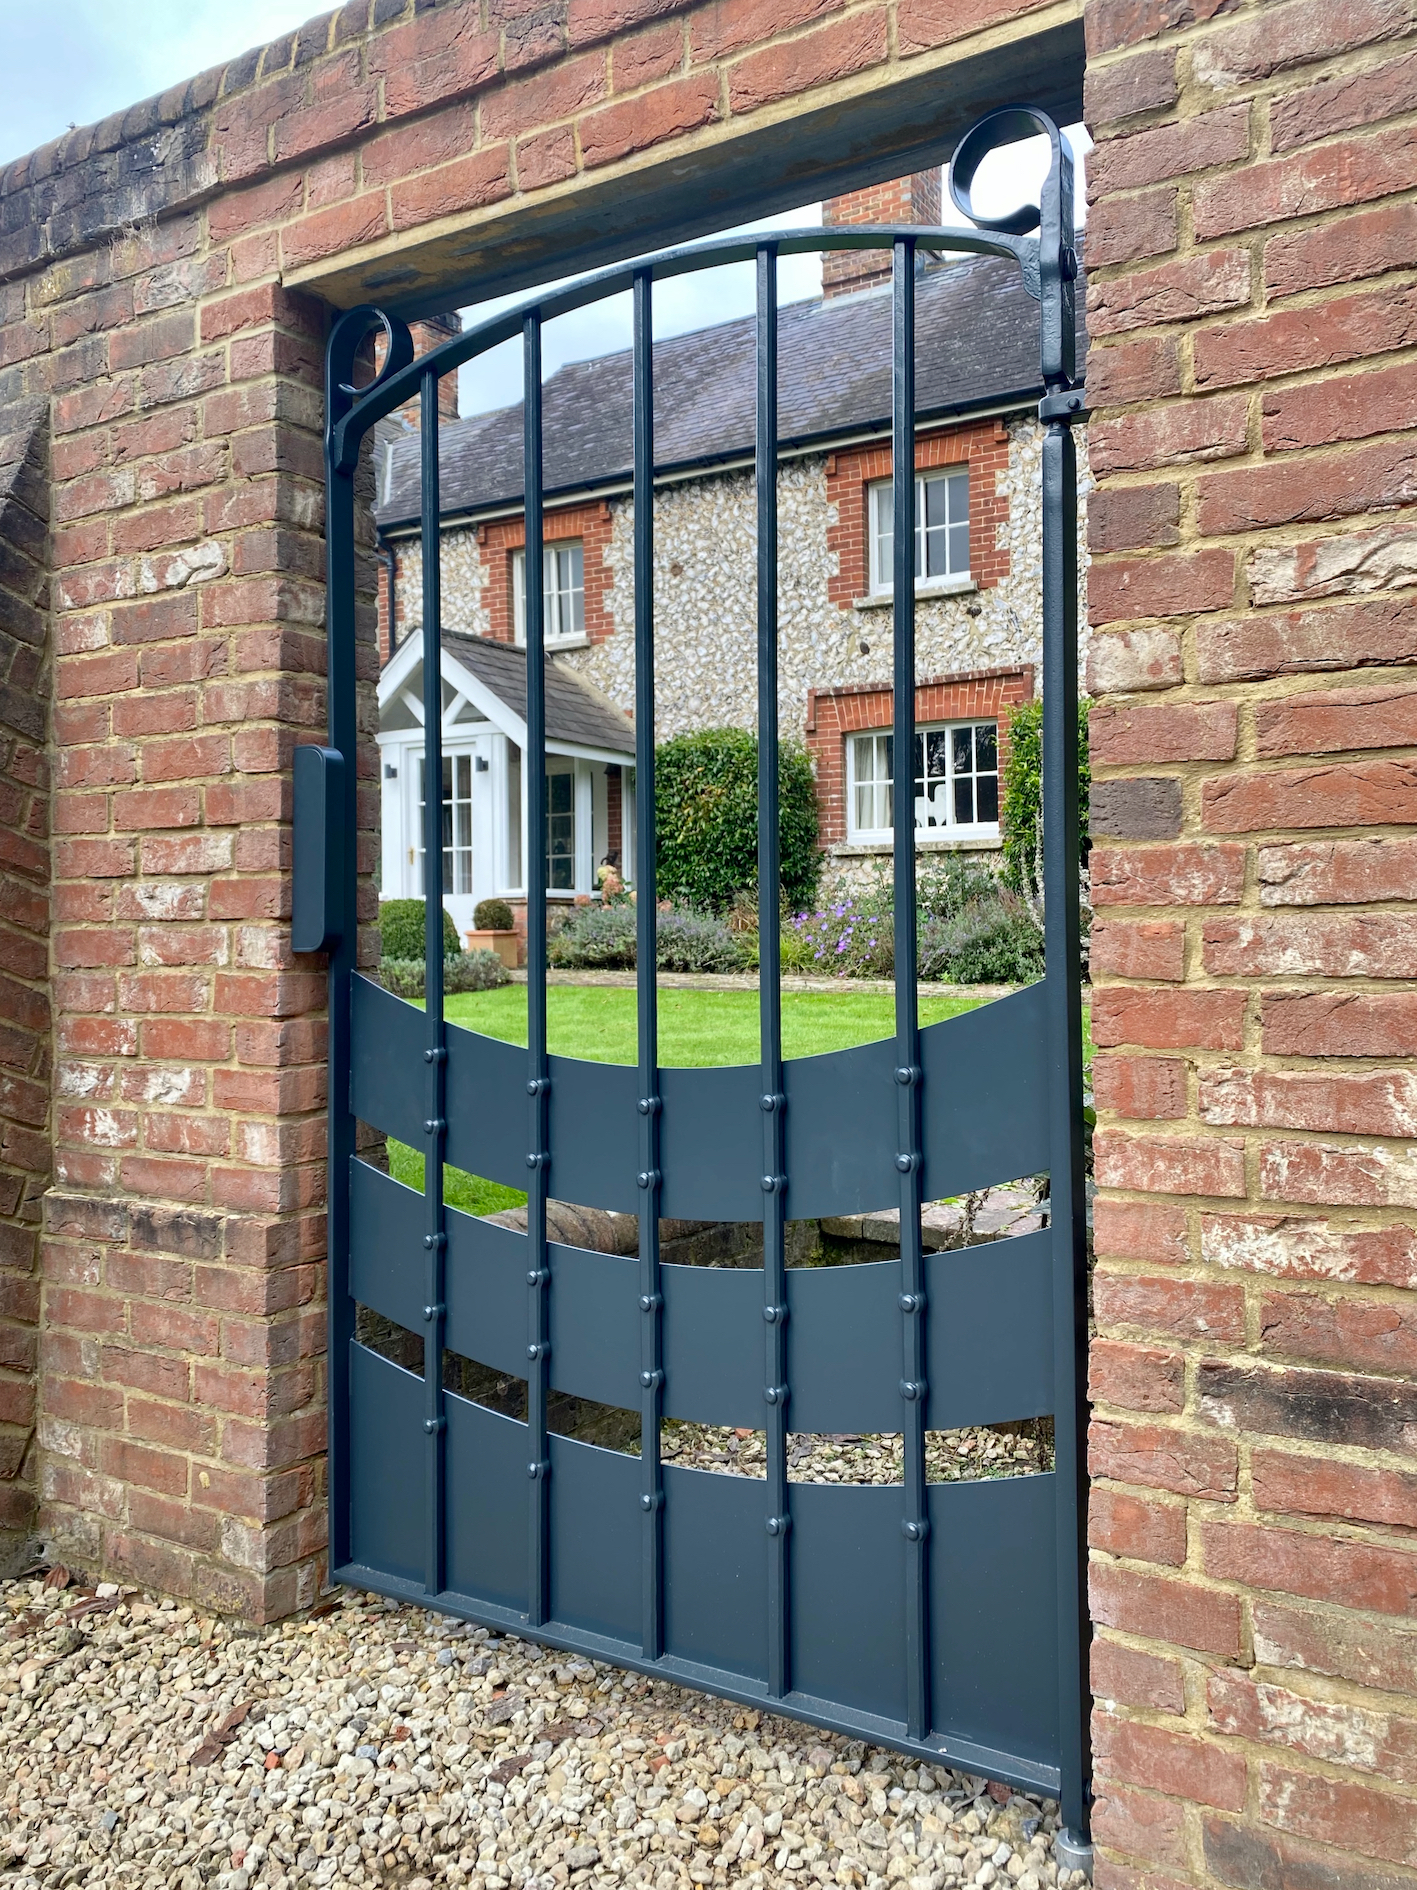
(503, 943)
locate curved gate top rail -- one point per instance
(944, 1619)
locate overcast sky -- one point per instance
(72, 62)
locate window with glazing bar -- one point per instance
(956, 782)
(941, 529)
(563, 588)
(457, 823)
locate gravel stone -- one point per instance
(145, 1745)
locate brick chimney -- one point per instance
(902, 200)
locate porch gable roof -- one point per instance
(492, 675)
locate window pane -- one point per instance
(939, 751)
(963, 750)
(987, 797)
(882, 538)
(959, 498)
(937, 501)
(959, 550)
(986, 746)
(964, 801)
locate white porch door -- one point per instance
(468, 870)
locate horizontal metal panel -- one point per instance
(596, 1538)
(984, 1100)
(388, 1078)
(990, 1331)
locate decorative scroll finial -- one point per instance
(347, 337)
(1051, 216)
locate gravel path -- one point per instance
(950, 1456)
(145, 1745)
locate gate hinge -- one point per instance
(1064, 403)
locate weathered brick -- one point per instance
(1149, 1088)
(1163, 1457)
(1194, 1770)
(1161, 1303)
(1373, 1103)
(1292, 1248)
(1318, 1406)
(1337, 872)
(1163, 1020)
(1136, 1377)
(1187, 1614)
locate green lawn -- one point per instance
(597, 1022)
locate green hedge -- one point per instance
(401, 926)
(706, 815)
(1023, 789)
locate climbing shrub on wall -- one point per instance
(706, 812)
(1023, 790)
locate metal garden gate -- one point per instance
(943, 1619)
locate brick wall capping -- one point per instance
(772, 160)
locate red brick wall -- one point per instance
(1250, 249)
(913, 199)
(24, 925)
(983, 446)
(834, 715)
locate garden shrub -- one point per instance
(696, 941)
(1022, 785)
(992, 941)
(970, 930)
(706, 817)
(492, 915)
(602, 938)
(595, 938)
(401, 930)
(463, 971)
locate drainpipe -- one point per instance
(384, 552)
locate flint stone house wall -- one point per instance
(1252, 256)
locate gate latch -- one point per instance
(319, 842)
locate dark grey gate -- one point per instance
(944, 1619)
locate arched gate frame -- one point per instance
(944, 1619)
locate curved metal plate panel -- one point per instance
(386, 1245)
(848, 1594)
(487, 1514)
(387, 1074)
(596, 1523)
(984, 1095)
(716, 1569)
(387, 1489)
(994, 1614)
(487, 1106)
(711, 1144)
(713, 1345)
(989, 1335)
(975, 1132)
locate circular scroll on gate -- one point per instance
(352, 331)
(1010, 125)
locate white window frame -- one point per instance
(880, 533)
(949, 829)
(564, 592)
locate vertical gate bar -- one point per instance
(538, 1084)
(340, 662)
(915, 1520)
(1061, 405)
(1068, 1202)
(772, 1099)
(647, 990)
(435, 1054)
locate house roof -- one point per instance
(576, 712)
(976, 346)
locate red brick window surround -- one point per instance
(501, 541)
(982, 446)
(835, 715)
